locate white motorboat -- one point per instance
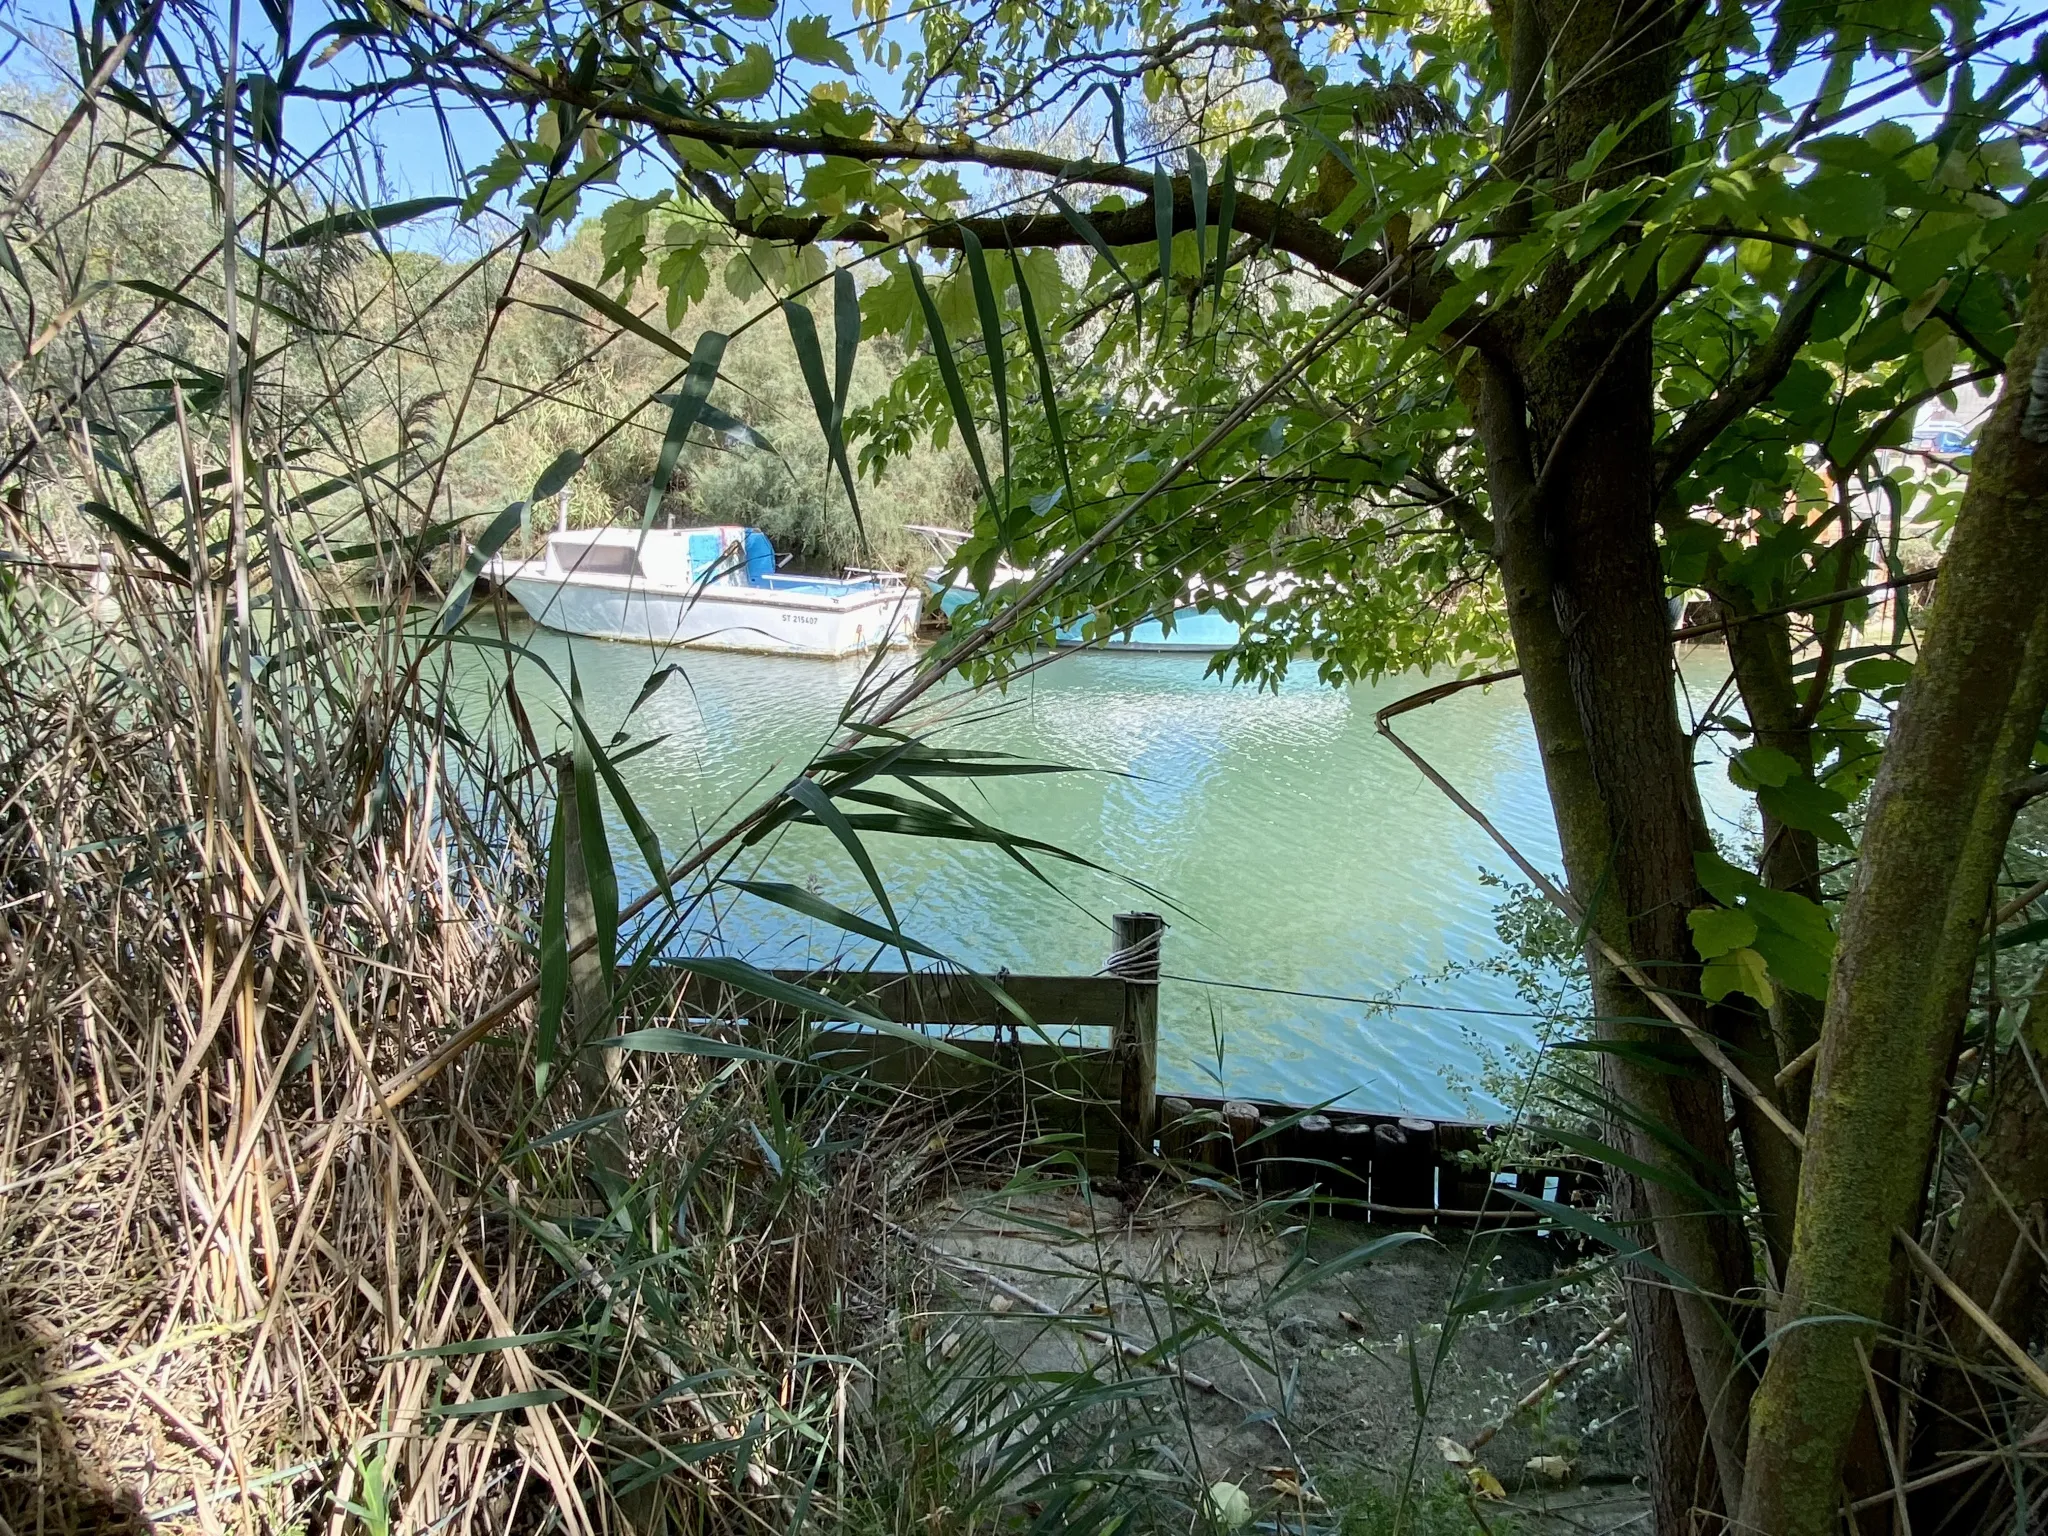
(714, 588)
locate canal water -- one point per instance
(1330, 912)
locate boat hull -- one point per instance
(1192, 631)
(719, 618)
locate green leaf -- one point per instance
(503, 526)
(1938, 361)
(2026, 933)
(798, 899)
(1792, 934)
(808, 794)
(1739, 970)
(359, 221)
(556, 475)
(689, 405)
(1795, 939)
(482, 1346)
(1624, 1247)
(1162, 228)
(133, 532)
(748, 79)
(746, 978)
(1087, 231)
(618, 314)
(539, 1397)
(991, 343)
(572, 1130)
(1760, 765)
(1226, 216)
(158, 291)
(1717, 930)
(1596, 152)
(810, 357)
(727, 425)
(644, 836)
(1198, 187)
(1476, 1297)
(1843, 204)
(753, 10)
(1875, 672)
(1601, 1152)
(1808, 806)
(949, 375)
(811, 39)
(681, 1042)
(1364, 1253)
(554, 952)
(592, 847)
(846, 326)
(655, 681)
(808, 903)
(1048, 393)
(1722, 880)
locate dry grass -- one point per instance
(233, 1287)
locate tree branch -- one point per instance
(1399, 282)
(1707, 420)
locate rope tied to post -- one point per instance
(1139, 959)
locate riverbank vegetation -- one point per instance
(348, 1170)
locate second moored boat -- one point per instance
(715, 588)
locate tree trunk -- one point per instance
(1576, 545)
(1681, 1475)
(1910, 931)
(1608, 593)
(1760, 653)
(1628, 825)
(1995, 1257)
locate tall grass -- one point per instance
(236, 1287)
(255, 860)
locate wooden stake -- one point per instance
(1135, 937)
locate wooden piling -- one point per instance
(1312, 1146)
(1403, 1172)
(1353, 1141)
(1178, 1130)
(1422, 1150)
(1463, 1177)
(1240, 1123)
(1134, 958)
(1312, 1158)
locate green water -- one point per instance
(1306, 855)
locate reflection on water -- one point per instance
(1305, 853)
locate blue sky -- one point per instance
(416, 150)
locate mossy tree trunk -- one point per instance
(1994, 1255)
(1910, 932)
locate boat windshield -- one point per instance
(592, 558)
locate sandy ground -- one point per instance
(1294, 1367)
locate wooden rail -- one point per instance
(1082, 1074)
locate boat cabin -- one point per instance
(725, 555)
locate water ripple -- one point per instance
(1304, 851)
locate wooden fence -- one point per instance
(1083, 1075)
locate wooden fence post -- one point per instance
(1134, 956)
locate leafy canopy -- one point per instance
(1212, 281)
